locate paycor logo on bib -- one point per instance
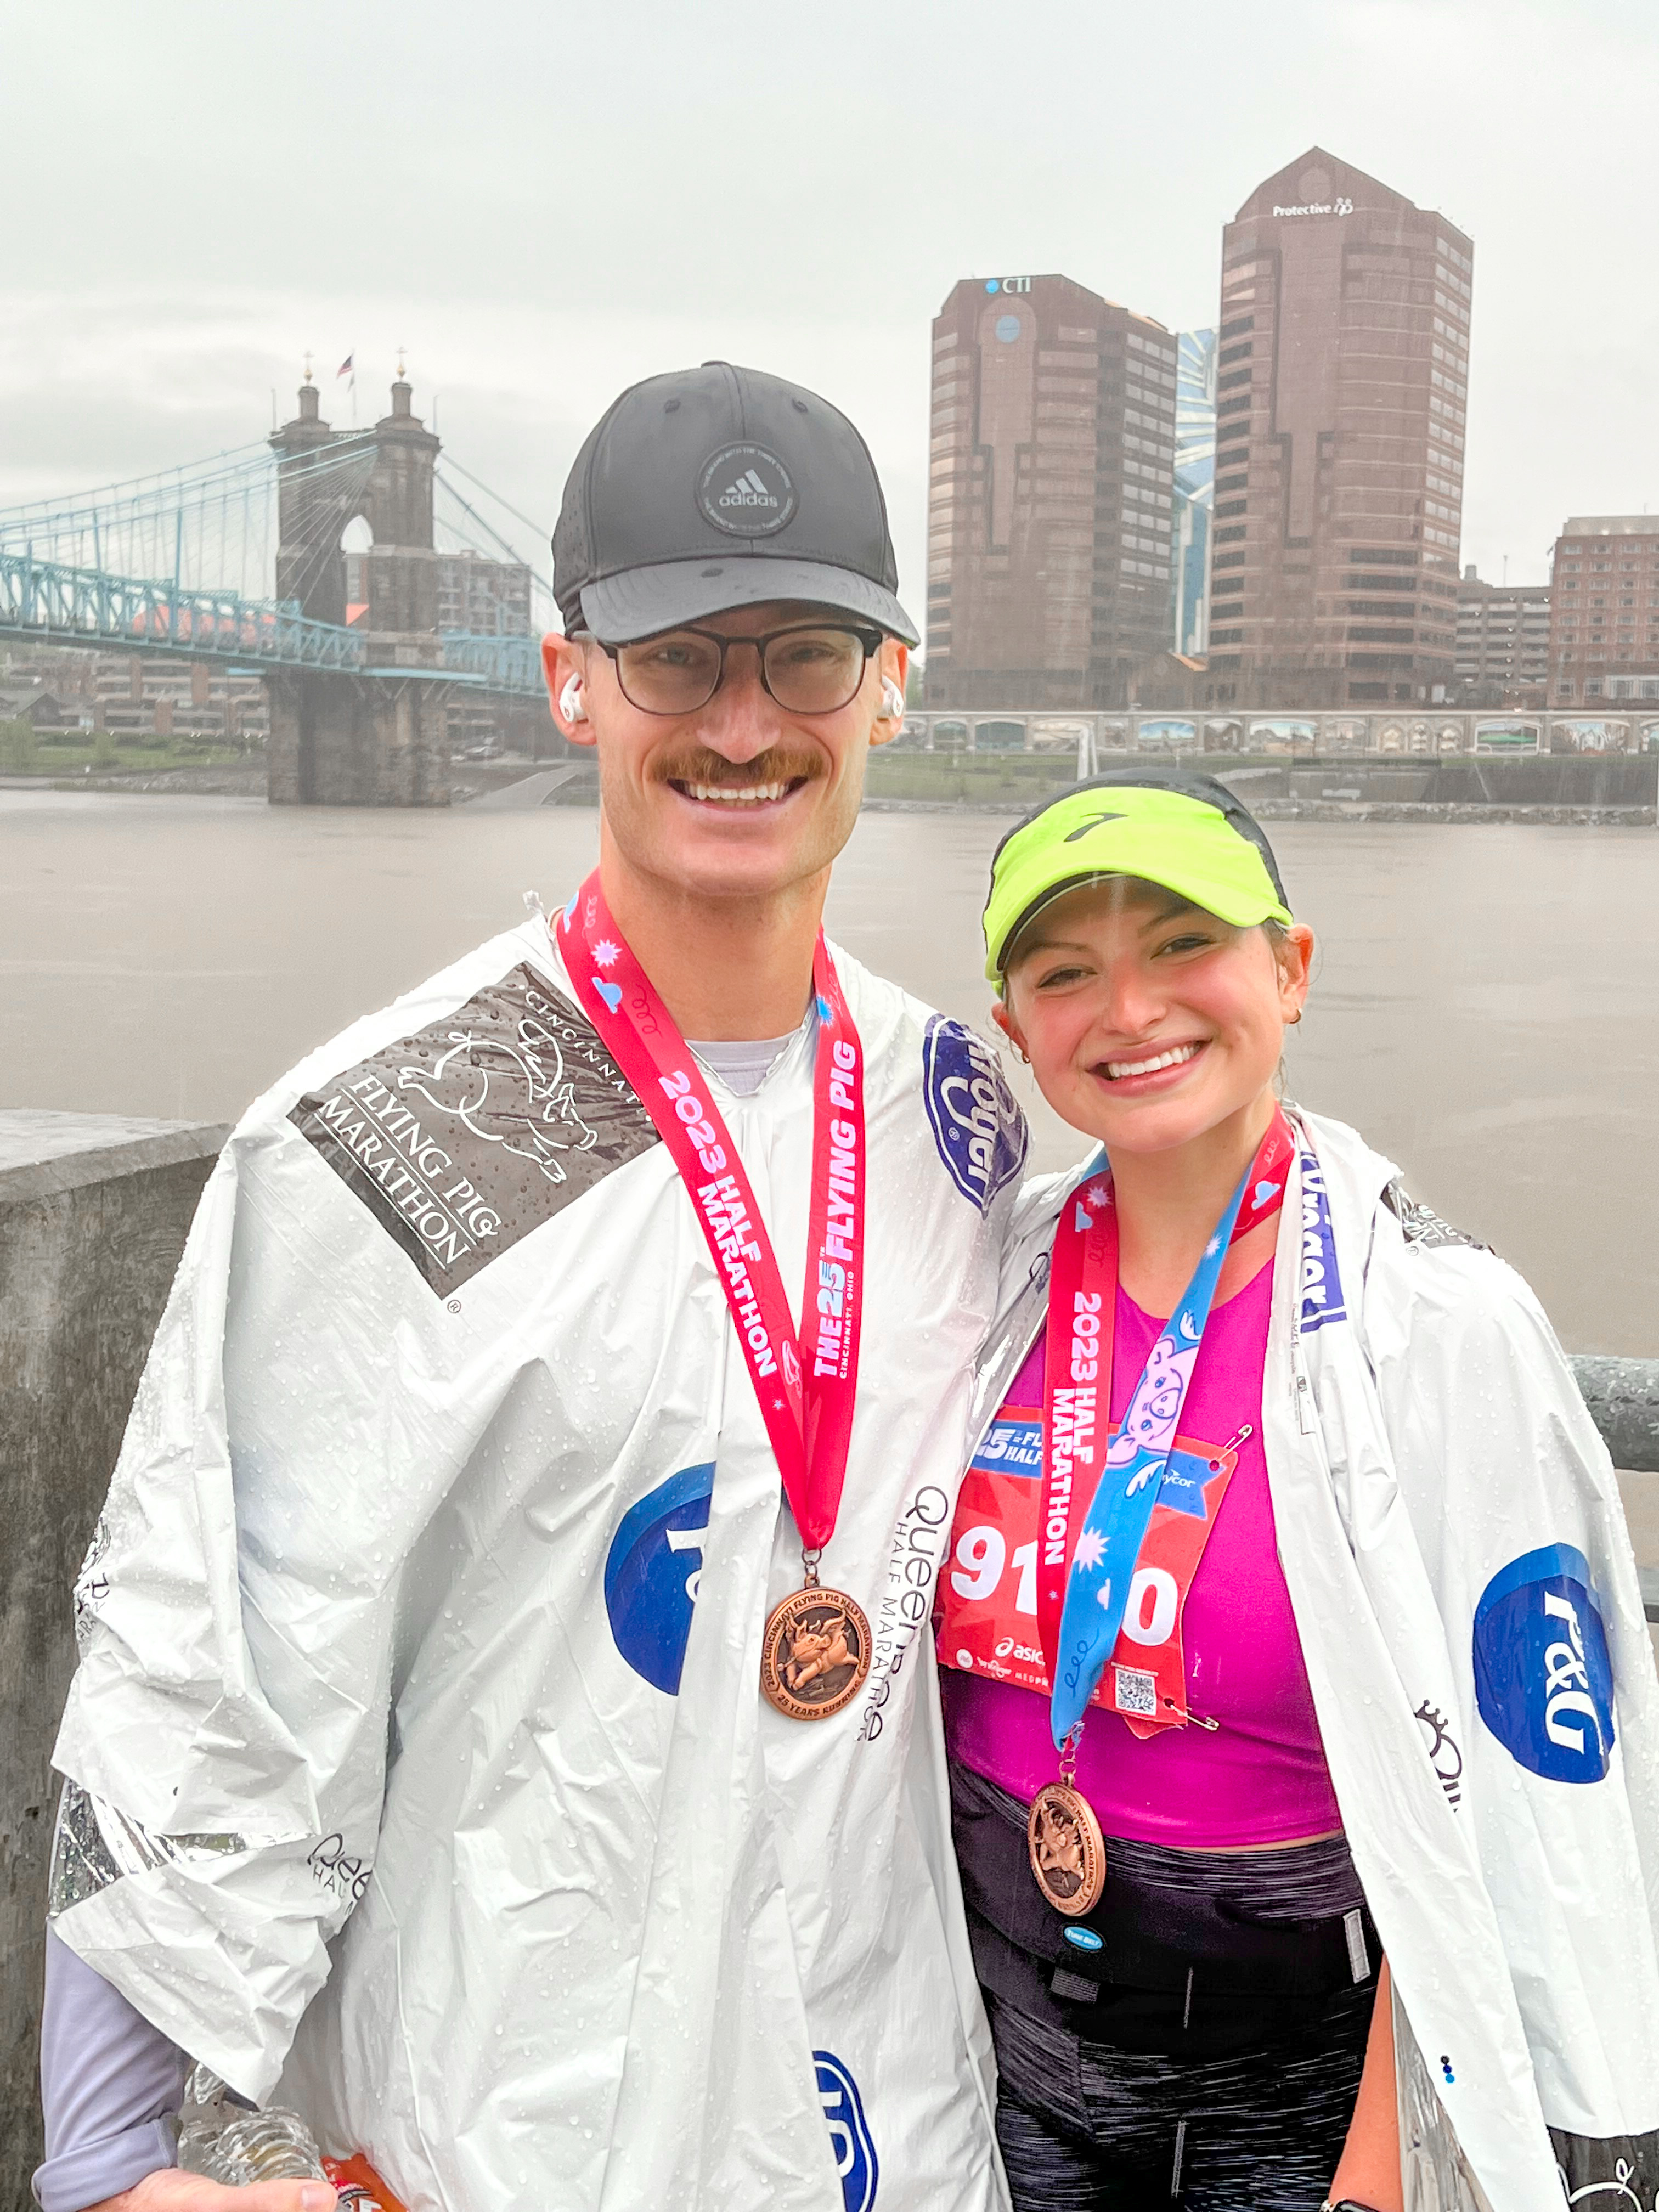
(975, 1119)
(1543, 1679)
(651, 1571)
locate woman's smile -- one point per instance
(1150, 1065)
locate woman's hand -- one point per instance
(169, 2190)
(1368, 2171)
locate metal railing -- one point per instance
(1402, 736)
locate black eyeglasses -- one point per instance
(811, 668)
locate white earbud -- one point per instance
(570, 701)
(892, 700)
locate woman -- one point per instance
(1350, 1654)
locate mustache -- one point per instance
(777, 764)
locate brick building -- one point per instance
(490, 598)
(1604, 610)
(1049, 499)
(1342, 369)
(1503, 643)
(140, 695)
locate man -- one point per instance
(474, 1746)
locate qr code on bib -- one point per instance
(1136, 1693)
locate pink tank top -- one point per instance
(1261, 1778)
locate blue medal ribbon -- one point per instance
(1108, 1545)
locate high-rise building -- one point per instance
(1604, 610)
(1194, 487)
(1342, 372)
(1050, 497)
(1503, 642)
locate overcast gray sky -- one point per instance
(546, 201)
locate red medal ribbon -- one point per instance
(1076, 1386)
(806, 1385)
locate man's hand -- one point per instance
(169, 2190)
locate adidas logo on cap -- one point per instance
(747, 491)
(758, 498)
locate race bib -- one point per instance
(987, 1618)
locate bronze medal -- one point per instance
(1068, 1852)
(816, 1654)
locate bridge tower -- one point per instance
(381, 739)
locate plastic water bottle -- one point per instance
(222, 2140)
(273, 2146)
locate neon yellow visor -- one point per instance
(1167, 837)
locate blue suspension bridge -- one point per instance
(240, 559)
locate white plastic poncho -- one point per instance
(1455, 1550)
(418, 1706)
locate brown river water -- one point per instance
(1485, 1006)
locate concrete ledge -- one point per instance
(43, 1153)
(1623, 1396)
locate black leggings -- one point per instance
(1086, 2126)
(1227, 2086)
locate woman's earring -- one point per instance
(1295, 1018)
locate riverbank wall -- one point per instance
(1615, 789)
(94, 1212)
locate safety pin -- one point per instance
(1231, 1444)
(1197, 1719)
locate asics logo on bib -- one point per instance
(849, 2133)
(652, 1574)
(1322, 1285)
(1543, 1676)
(977, 1123)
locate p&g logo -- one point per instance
(849, 2133)
(975, 1119)
(651, 1571)
(1543, 1679)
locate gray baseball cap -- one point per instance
(715, 488)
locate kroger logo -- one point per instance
(1322, 1286)
(651, 1571)
(1543, 1680)
(977, 1122)
(849, 2133)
